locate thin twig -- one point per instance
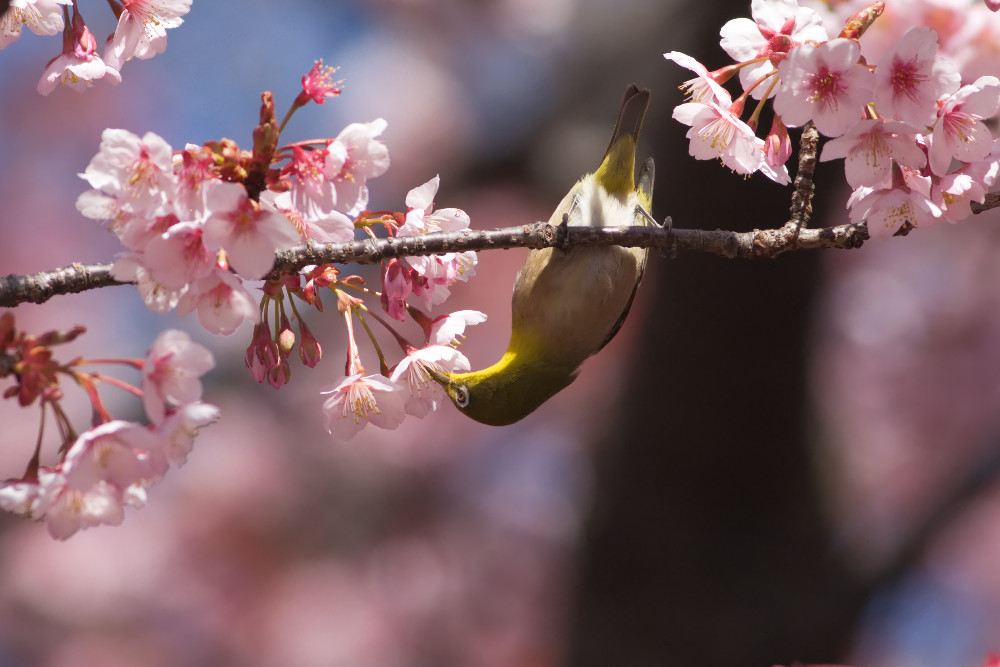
(992, 201)
(756, 244)
(801, 209)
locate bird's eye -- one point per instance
(461, 396)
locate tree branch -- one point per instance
(756, 244)
(992, 201)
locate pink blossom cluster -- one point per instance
(194, 238)
(141, 33)
(427, 276)
(110, 466)
(199, 223)
(384, 399)
(916, 148)
(362, 399)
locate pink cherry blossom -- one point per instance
(869, 147)
(956, 191)
(43, 17)
(717, 133)
(249, 234)
(777, 26)
(178, 256)
(354, 157)
(142, 29)
(397, 284)
(115, 452)
(887, 209)
(177, 432)
(310, 192)
(911, 77)
(359, 400)
(78, 66)
(318, 84)
(959, 131)
(424, 393)
(137, 172)
(954, 194)
(130, 267)
(439, 271)
(702, 88)
(68, 509)
(776, 172)
(330, 227)
(193, 173)
(22, 497)
(170, 375)
(447, 329)
(98, 477)
(777, 148)
(222, 302)
(824, 84)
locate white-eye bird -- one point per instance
(567, 304)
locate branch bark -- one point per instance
(757, 244)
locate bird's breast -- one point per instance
(568, 302)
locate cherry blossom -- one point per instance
(177, 432)
(329, 227)
(776, 172)
(222, 302)
(959, 131)
(824, 84)
(114, 452)
(68, 509)
(905, 199)
(178, 256)
(956, 191)
(447, 329)
(97, 478)
(911, 77)
(21, 497)
(249, 234)
(358, 400)
(869, 147)
(130, 267)
(717, 133)
(138, 173)
(777, 26)
(318, 84)
(170, 376)
(702, 88)
(142, 29)
(440, 271)
(78, 66)
(43, 17)
(354, 157)
(397, 284)
(425, 395)
(310, 192)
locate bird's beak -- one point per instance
(442, 379)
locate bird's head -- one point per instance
(505, 392)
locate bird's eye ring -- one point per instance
(461, 396)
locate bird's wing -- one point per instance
(645, 185)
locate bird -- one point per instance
(569, 303)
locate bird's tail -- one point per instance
(617, 170)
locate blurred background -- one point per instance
(792, 460)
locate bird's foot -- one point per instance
(562, 233)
